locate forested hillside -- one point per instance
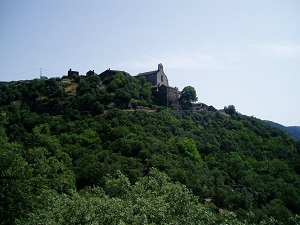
(292, 130)
(87, 150)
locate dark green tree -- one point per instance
(188, 95)
(230, 110)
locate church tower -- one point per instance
(160, 67)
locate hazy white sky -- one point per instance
(245, 53)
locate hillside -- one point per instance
(93, 150)
(292, 130)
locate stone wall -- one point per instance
(173, 95)
(151, 77)
(166, 96)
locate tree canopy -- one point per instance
(188, 95)
(230, 110)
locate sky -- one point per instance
(244, 53)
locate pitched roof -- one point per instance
(147, 73)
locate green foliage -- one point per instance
(230, 110)
(188, 147)
(151, 200)
(126, 88)
(188, 95)
(27, 173)
(71, 152)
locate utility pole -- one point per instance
(41, 73)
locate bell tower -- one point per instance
(160, 67)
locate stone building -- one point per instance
(163, 94)
(90, 73)
(156, 77)
(199, 107)
(202, 107)
(110, 73)
(166, 95)
(72, 73)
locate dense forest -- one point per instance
(292, 130)
(89, 150)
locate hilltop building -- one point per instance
(72, 73)
(202, 107)
(156, 77)
(90, 73)
(109, 73)
(162, 92)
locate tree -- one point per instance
(230, 110)
(188, 95)
(188, 147)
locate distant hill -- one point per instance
(292, 130)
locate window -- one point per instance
(162, 78)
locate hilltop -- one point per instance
(94, 149)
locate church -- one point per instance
(164, 94)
